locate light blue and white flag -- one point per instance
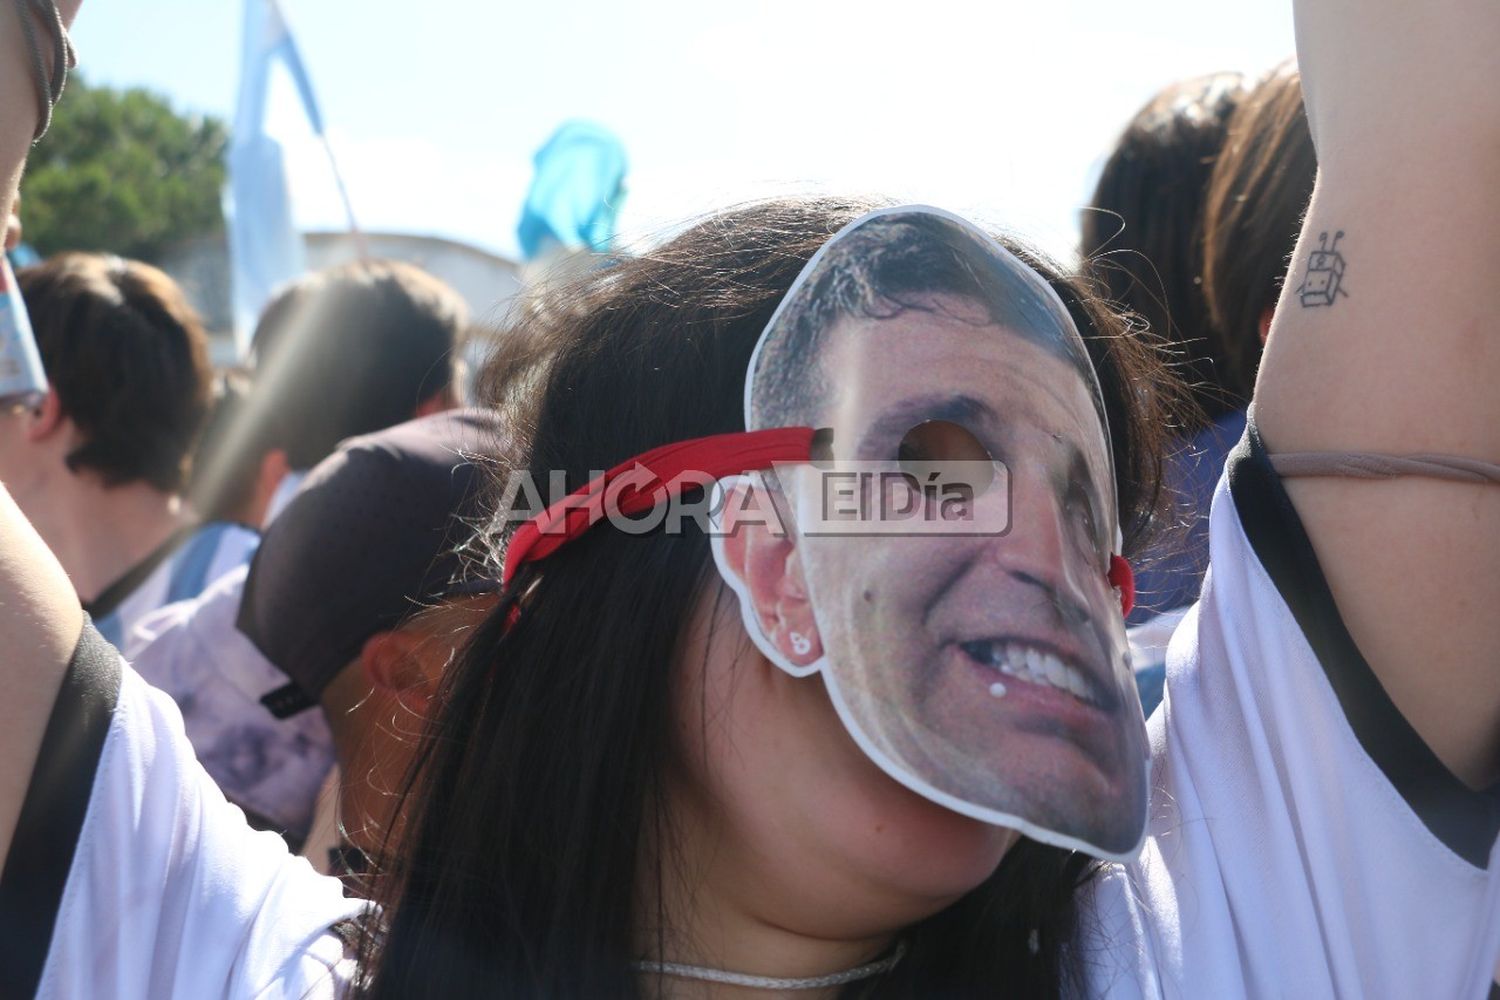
(265, 248)
(576, 193)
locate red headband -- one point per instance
(716, 457)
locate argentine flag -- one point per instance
(265, 247)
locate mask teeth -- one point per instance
(1034, 666)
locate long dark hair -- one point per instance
(540, 781)
(1142, 234)
(1257, 196)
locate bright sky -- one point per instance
(998, 110)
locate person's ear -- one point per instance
(273, 468)
(391, 664)
(445, 398)
(765, 559)
(1265, 324)
(47, 419)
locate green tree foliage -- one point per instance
(122, 172)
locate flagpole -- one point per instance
(361, 245)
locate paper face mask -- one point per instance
(943, 560)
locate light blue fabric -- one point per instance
(191, 563)
(265, 248)
(24, 255)
(576, 194)
(190, 568)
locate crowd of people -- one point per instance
(343, 674)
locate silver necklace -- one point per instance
(855, 974)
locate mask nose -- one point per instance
(1036, 550)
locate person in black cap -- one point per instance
(361, 594)
(351, 603)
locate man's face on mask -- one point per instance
(992, 666)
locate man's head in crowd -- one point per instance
(355, 349)
(1143, 229)
(1257, 197)
(346, 351)
(126, 359)
(360, 594)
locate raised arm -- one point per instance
(39, 614)
(40, 621)
(1390, 342)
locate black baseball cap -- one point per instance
(374, 533)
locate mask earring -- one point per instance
(801, 644)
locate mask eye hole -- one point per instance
(822, 448)
(945, 455)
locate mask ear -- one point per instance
(759, 559)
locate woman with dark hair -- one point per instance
(585, 850)
(622, 796)
(591, 846)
